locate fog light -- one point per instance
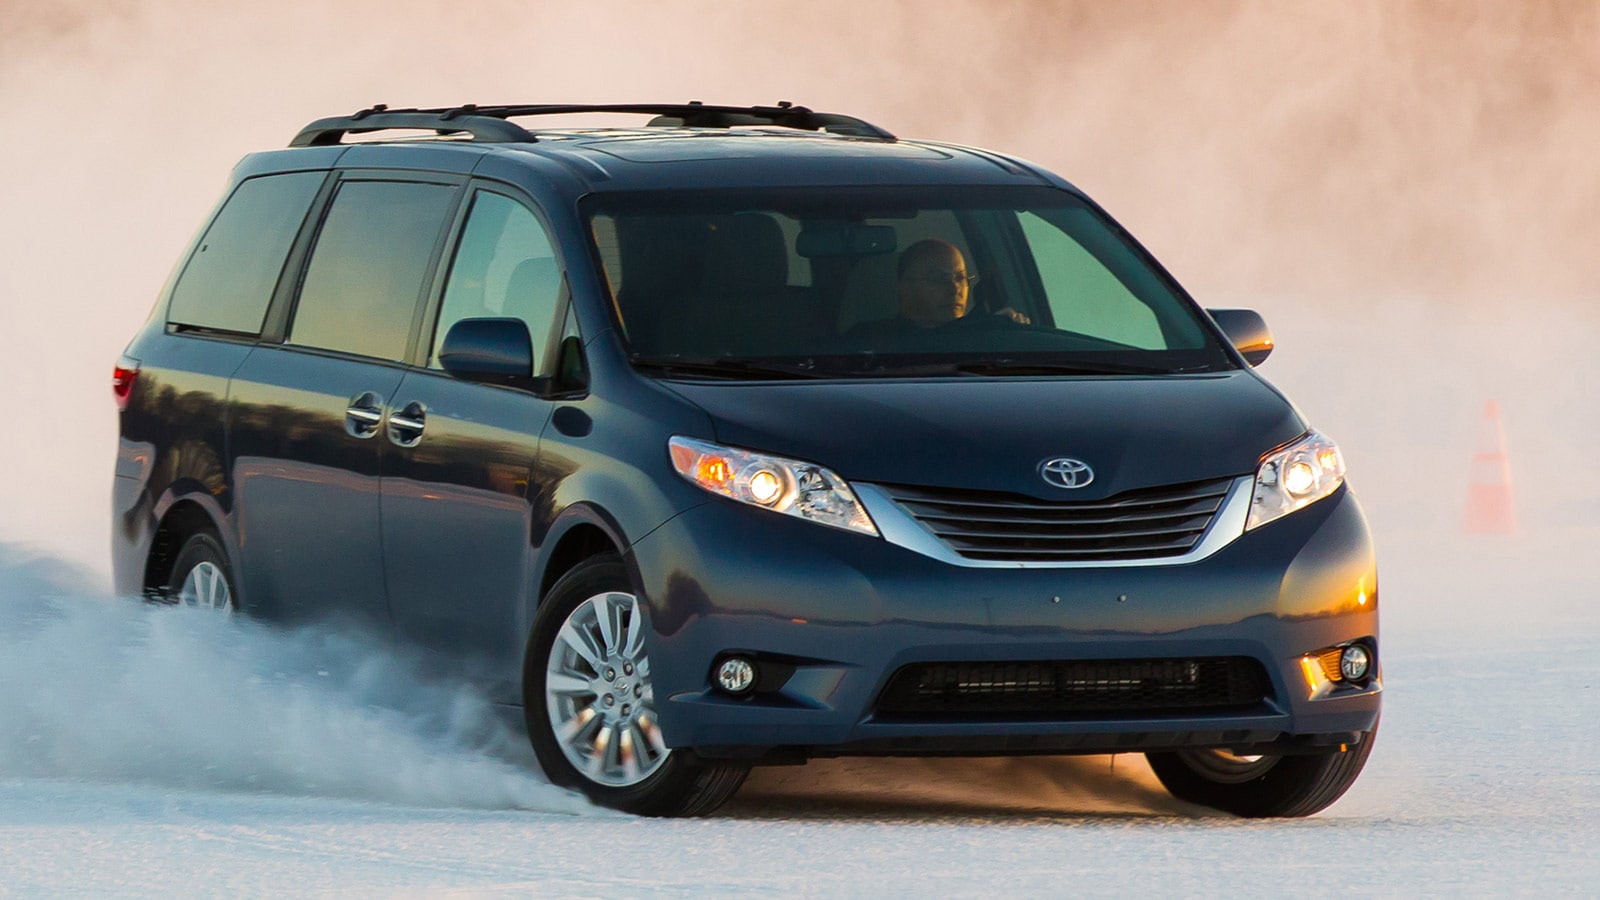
(1354, 662)
(736, 675)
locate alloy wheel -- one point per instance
(206, 586)
(598, 693)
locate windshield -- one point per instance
(888, 282)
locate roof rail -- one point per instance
(325, 132)
(488, 123)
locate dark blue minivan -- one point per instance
(748, 435)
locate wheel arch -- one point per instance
(581, 542)
(582, 531)
(182, 517)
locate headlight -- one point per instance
(788, 486)
(1295, 477)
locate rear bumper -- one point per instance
(133, 526)
(839, 613)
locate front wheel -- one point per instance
(1262, 786)
(591, 707)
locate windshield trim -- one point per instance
(887, 366)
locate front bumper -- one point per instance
(847, 611)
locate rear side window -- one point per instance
(229, 280)
(367, 270)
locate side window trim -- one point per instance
(422, 345)
(429, 321)
(433, 281)
(563, 323)
(281, 313)
(566, 381)
(276, 326)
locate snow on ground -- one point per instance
(116, 690)
(153, 751)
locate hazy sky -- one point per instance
(1401, 186)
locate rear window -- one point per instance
(229, 280)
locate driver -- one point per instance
(932, 285)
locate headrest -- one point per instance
(532, 290)
(745, 253)
(534, 277)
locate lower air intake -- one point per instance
(1105, 688)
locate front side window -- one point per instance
(504, 266)
(897, 282)
(367, 270)
(229, 280)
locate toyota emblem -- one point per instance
(1066, 472)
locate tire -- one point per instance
(202, 577)
(598, 734)
(1262, 786)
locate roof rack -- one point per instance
(488, 123)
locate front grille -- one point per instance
(1074, 688)
(1145, 524)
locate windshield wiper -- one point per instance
(727, 368)
(871, 364)
(1018, 367)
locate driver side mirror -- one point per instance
(1247, 331)
(489, 351)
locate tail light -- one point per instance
(122, 379)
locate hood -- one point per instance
(993, 434)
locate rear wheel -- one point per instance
(202, 577)
(591, 707)
(1262, 786)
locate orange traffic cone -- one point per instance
(1489, 489)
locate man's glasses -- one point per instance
(940, 279)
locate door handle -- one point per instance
(363, 415)
(406, 426)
